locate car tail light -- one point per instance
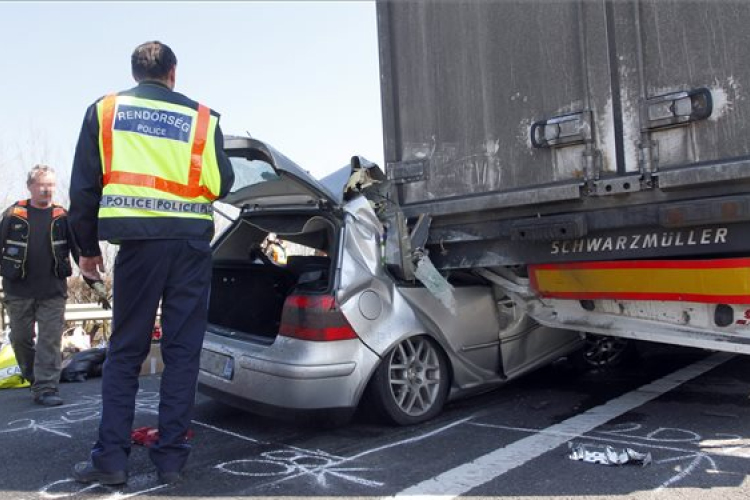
(314, 317)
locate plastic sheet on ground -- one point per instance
(607, 455)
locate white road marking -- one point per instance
(468, 476)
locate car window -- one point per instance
(249, 172)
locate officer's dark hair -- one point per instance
(152, 61)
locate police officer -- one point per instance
(148, 164)
(36, 245)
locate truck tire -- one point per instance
(601, 352)
(411, 384)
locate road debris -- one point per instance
(607, 455)
(148, 436)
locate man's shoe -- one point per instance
(85, 472)
(170, 477)
(48, 398)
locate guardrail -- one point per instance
(86, 312)
(74, 313)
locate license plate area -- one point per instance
(217, 364)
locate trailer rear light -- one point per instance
(314, 317)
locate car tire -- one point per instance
(411, 383)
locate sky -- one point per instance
(302, 76)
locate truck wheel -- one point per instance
(411, 383)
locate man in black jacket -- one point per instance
(36, 244)
(149, 188)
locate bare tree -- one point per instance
(32, 147)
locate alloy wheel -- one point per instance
(414, 375)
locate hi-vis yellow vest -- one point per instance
(158, 159)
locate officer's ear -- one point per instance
(171, 77)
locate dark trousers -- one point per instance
(177, 272)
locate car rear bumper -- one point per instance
(289, 374)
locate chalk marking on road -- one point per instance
(725, 445)
(33, 426)
(657, 435)
(118, 495)
(470, 475)
(225, 431)
(74, 413)
(697, 459)
(414, 439)
(401, 442)
(287, 462)
(113, 493)
(45, 493)
(740, 446)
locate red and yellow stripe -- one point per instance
(725, 281)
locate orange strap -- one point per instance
(192, 189)
(108, 117)
(199, 143)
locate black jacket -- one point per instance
(14, 233)
(86, 185)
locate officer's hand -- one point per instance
(91, 267)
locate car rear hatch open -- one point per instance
(250, 294)
(266, 178)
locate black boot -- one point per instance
(85, 472)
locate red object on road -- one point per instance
(147, 436)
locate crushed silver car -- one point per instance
(333, 323)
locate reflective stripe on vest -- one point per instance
(154, 204)
(193, 188)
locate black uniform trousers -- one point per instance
(177, 272)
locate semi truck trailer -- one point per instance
(588, 158)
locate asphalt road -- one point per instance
(689, 409)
